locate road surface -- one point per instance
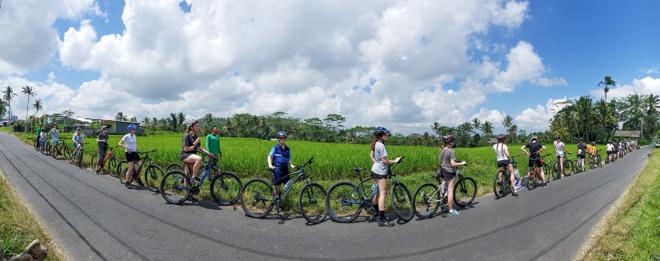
(95, 218)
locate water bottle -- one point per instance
(374, 189)
(516, 175)
(288, 184)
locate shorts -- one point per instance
(536, 162)
(55, 142)
(132, 156)
(378, 176)
(610, 152)
(100, 153)
(280, 175)
(581, 156)
(560, 154)
(502, 163)
(447, 175)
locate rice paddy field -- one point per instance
(333, 162)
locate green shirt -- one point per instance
(213, 144)
(38, 130)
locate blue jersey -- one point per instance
(281, 156)
(77, 139)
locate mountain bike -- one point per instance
(176, 186)
(595, 161)
(580, 166)
(430, 197)
(109, 163)
(568, 170)
(548, 169)
(258, 198)
(77, 155)
(60, 149)
(501, 182)
(534, 174)
(152, 174)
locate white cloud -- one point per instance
(494, 116)
(538, 118)
(646, 85)
(524, 65)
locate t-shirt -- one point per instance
(583, 147)
(616, 146)
(188, 141)
(591, 149)
(42, 136)
(55, 135)
(559, 148)
(213, 144)
(379, 153)
(37, 131)
(281, 155)
(130, 141)
(446, 156)
(500, 151)
(534, 148)
(103, 145)
(610, 147)
(77, 139)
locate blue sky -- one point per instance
(247, 56)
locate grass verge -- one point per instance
(631, 230)
(17, 227)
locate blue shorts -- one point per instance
(280, 175)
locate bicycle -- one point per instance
(501, 181)
(109, 163)
(534, 175)
(548, 169)
(595, 161)
(60, 149)
(152, 173)
(77, 154)
(568, 170)
(579, 167)
(176, 186)
(258, 198)
(429, 197)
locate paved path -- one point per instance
(95, 218)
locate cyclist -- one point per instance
(129, 142)
(448, 167)
(379, 171)
(561, 154)
(213, 143)
(502, 155)
(78, 138)
(191, 143)
(42, 139)
(102, 141)
(54, 136)
(581, 154)
(616, 149)
(610, 151)
(535, 149)
(37, 131)
(279, 160)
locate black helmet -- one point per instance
(535, 138)
(381, 131)
(593, 143)
(281, 134)
(448, 139)
(501, 137)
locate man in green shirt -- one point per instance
(213, 143)
(37, 131)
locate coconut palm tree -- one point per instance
(37, 107)
(607, 81)
(3, 108)
(29, 92)
(508, 121)
(487, 128)
(8, 94)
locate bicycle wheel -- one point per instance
(175, 187)
(174, 166)
(600, 162)
(92, 163)
(500, 184)
(257, 198)
(464, 192)
(226, 188)
(310, 202)
(122, 168)
(532, 180)
(401, 202)
(550, 172)
(426, 200)
(152, 177)
(66, 151)
(112, 167)
(343, 202)
(569, 168)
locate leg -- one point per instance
(561, 166)
(512, 177)
(129, 172)
(450, 193)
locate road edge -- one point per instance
(600, 229)
(54, 248)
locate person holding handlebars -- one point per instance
(448, 167)
(191, 143)
(279, 160)
(535, 148)
(380, 170)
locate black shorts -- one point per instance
(502, 163)
(447, 175)
(536, 162)
(610, 152)
(581, 156)
(378, 176)
(132, 156)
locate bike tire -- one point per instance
(174, 166)
(547, 170)
(92, 163)
(112, 167)
(500, 184)
(175, 187)
(425, 201)
(401, 202)
(311, 201)
(531, 180)
(152, 177)
(343, 203)
(257, 199)
(464, 192)
(569, 167)
(228, 191)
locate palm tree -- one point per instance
(8, 95)
(29, 92)
(181, 118)
(476, 124)
(487, 128)
(653, 103)
(3, 108)
(508, 121)
(120, 116)
(37, 107)
(607, 81)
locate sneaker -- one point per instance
(195, 181)
(453, 213)
(545, 184)
(383, 222)
(515, 192)
(127, 184)
(139, 182)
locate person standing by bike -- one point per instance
(502, 155)
(615, 144)
(78, 138)
(610, 152)
(43, 137)
(535, 149)
(581, 155)
(102, 141)
(279, 160)
(213, 143)
(561, 154)
(129, 142)
(379, 171)
(191, 143)
(38, 131)
(55, 137)
(448, 167)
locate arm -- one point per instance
(523, 149)
(121, 142)
(206, 144)
(390, 162)
(270, 162)
(455, 164)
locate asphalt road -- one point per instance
(95, 218)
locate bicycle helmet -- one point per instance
(78, 129)
(448, 138)
(501, 137)
(535, 138)
(281, 134)
(132, 127)
(593, 143)
(381, 131)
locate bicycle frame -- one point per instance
(297, 175)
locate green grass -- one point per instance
(247, 157)
(17, 228)
(633, 231)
